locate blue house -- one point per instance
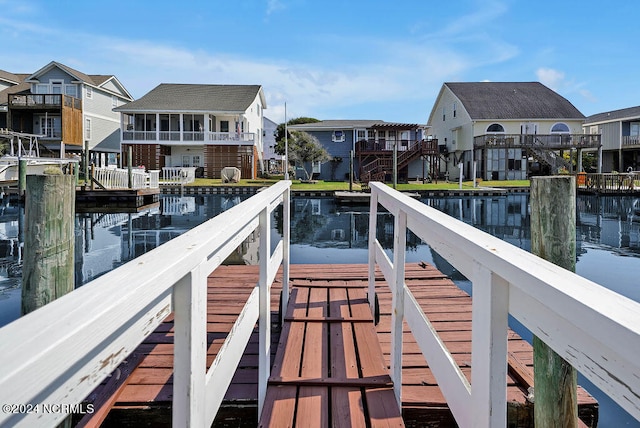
(372, 143)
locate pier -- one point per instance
(64, 351)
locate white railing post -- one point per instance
(190, 349)
(397, 313)
(490, 313)
(373, 221)
(286, 237)
(264, 320)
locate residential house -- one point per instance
(272, 160)
(620, 131)
(506, 130)
(67, 106)
(209, 127)
(373, 144)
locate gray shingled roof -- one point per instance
(615, 115)
(195, 97)
(513, 100)
(336, 124)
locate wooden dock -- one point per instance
(341, 376)
(116, 198)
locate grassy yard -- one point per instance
(343, 186)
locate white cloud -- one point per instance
(274, 6)
(554, 79)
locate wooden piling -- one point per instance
(553, 237)
(22, 177)
(48, 270)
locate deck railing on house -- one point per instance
(59, 353)
(118, 178)
(548, 141)
(188, 136)
(593, 328)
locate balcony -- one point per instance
(190, 137)
(43, 101)
(542, 141)
(631, 141)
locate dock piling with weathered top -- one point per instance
(553, 237)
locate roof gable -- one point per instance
(196, 97)
(512, 100)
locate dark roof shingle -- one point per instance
(195, 97)
(608, 116)
(512, 100)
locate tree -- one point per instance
(304, 149)
(280, 141)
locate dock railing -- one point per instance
(595, 329)
(614, 183)
(54, 357)
(177, 175)
(118, 178)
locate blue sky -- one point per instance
(333, 59)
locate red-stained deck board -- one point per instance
(343, 380)
(317, 359)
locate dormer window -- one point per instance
(338, 136)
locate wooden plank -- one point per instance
(313, 401)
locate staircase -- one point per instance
(376, 169)
(548, 157)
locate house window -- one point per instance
(71, 90)
(89, 92)
(114, 101)
(560, 128)
(56, 86)
(224, 126)
(361, 134)
(337, 137)
(316, 167)
(495, 127)
(87, 129)
(454, 109)
(444, 116)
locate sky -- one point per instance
(337, 59)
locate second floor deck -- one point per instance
(43, 102)
(545, 141)
(173, 137)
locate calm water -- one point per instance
(608, 239)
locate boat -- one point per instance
(18, 151)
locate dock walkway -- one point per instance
(327, 361)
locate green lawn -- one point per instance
(342, 185)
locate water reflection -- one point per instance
(608, 241)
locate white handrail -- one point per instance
(118, 178)
(59, 353)
(595, 329)
(178, 175)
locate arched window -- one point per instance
(560, 128)
(495, 127)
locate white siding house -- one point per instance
(209, 127)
